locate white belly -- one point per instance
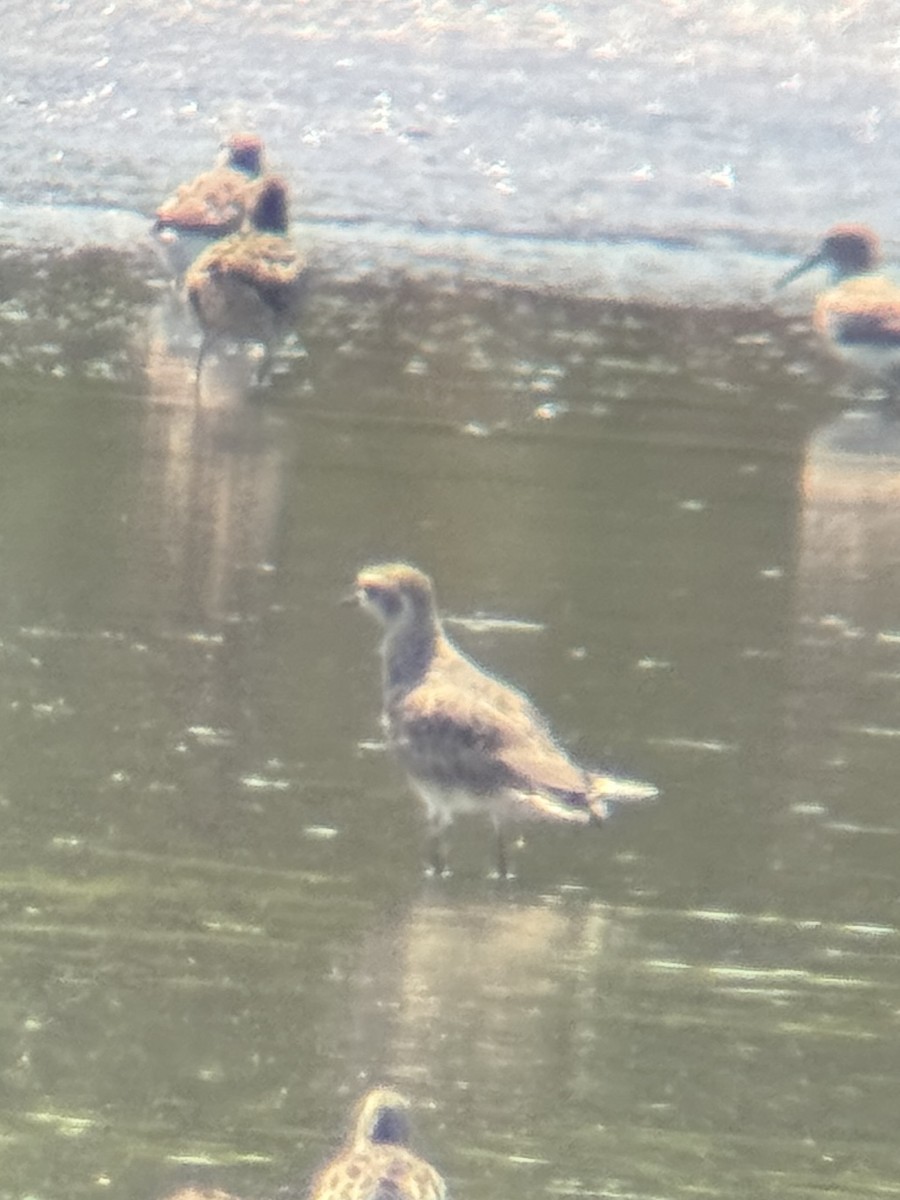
(443, 804)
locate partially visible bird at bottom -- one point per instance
(376, 1162)
(859, 315)
(200, 1193)
(468, 742)
(248, 287)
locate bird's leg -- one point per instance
(890, 401)
(264, 370)
(437, 848)
(503, 871)
(204, 346)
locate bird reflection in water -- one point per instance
(846, 653)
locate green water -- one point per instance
(214, 927)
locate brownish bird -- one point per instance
(247, 287)
(195, 1193)
(468, 742)
(216, 202)
(376, 1162)
(859, 315)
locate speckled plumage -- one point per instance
(376, 1162)
(859, 315)
(216, 202)
(469, 742)
(247, 287)
(196, 1193)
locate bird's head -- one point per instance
(382, 1118)
(245, 152)
(269, 212)
(846, 250)
(394, 593)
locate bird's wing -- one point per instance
(414, 1179)
(217, 199)
(459, 739)
(268, 263)
(211, 260)
(260, 259)
(862, 311)
(877, 327)
(392, 1174)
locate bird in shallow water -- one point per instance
(468, 742)
(376, 1162)
(859, 315)
(216, 202)
(247, 287)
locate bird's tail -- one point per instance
(616, 789)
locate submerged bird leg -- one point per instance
(437, 849)
(890, 401)
(204, 346)
(437, 857)
(503, 871)
(266, 363)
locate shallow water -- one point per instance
(215, 924)
(673, 523)
(570, 120)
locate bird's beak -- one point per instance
(814, 260)
(350, 598)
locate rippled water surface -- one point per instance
(645, 495)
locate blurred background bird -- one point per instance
(248, 287)
(213, 204)
(376, 1162)
(859, 315)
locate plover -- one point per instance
(216, 202)
(859, 316)
(468, 742)
(376, 1162)
(247, 287)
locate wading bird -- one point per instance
(859, 315)
(216, 202)
(468, 742)
(248, 287)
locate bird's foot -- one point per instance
(437, 871)
(504, 876)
